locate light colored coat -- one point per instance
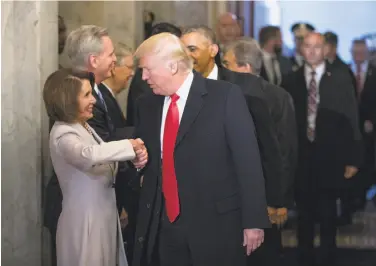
(88, 231)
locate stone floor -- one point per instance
(356, 242)
(346, 257)
(360, 235)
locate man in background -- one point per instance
(275, 66)
(299, 30)
(245, 56)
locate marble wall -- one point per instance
(29, 54)
(185, 13)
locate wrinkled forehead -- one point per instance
(227, 20)
(314, 38)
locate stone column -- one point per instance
(29, 54)
(188, 13)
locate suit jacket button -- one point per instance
(140, 239)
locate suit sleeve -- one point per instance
(269, 149)
(288, 147)
(87, 157)
(352, 113)
(242, 142)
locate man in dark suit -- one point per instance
(200, 42)
(275, 66)
(139, 86)
(331, 44)
(329, 146)
(203, 190)
(365, 76)
(245, 56)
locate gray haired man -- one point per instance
(245, 56)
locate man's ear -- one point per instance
(93, 61)
(247, 68)
(173, 66)
(214, 49)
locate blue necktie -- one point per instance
(102, 100)
(110, 124)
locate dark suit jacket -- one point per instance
(368, 97)
(127, 176)
(136, 89)
(338, 140)
(252, 87)
(283, 114)
(218, 169)
(339, 63)
(285, 67)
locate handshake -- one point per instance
(141, 153)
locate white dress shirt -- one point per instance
(320, 69)
(271, 64)
(96, 88)
(183, 93)
(214, 73)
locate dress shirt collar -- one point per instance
(184, 89)
(320, 69)
(214, 73)
(109, 89)
(363, 67)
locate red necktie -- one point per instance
(169, 182)
(312, 105)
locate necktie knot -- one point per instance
(174, 97)
(313, 73)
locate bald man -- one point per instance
(329, 146)
(227, 30)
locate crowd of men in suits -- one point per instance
(314, 118)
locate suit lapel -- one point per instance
(156, 120)
(369, 74)
(324, 87)
(192, 107)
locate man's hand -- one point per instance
(350, 171)
(141, 153)
(281, 216)
(253, 238)
(277, 216)
(272, 213)
(368, 126)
